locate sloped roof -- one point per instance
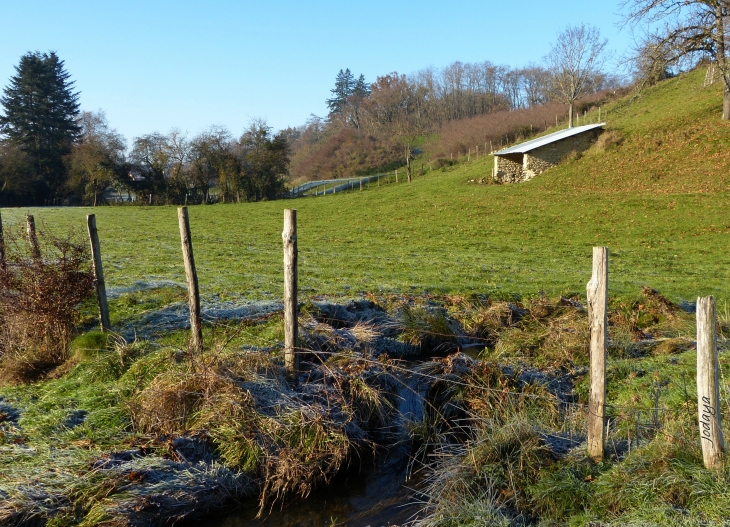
(547, 139)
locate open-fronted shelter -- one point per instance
(524, 161)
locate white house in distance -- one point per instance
(524, 161)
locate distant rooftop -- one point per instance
(547, 139)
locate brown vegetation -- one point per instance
(347, 152)
(39, 301)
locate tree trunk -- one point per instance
(408, 164)
(570, 115)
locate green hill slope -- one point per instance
(659, 200)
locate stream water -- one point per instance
(377, 493)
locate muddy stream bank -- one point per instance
(379, 489)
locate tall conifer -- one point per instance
(40, 111)
(344, 87)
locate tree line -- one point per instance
(51, 152)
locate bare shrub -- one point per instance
(38, 303)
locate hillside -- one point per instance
(658, 200)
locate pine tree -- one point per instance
(344, 87)
(361, 88)
(40, 116)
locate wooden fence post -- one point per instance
(708, 384)
(597, 293)
(396, 175)
(98, 273)
(291, 322)
(35, 250)
(196, 330)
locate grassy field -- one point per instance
(655, 190)
(659, 200)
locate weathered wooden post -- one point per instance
(98, 273)
(597, 293)
(35, 250)
(291, 323)
(396, 175)
(196, 330)
(361, 184)
(708, 384)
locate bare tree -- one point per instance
(690, 28)
(576, 57)
(396, 110)
(97, 160)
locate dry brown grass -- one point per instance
(608, 139)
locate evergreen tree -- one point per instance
(361, 88)
(344, 87)
(40, 111)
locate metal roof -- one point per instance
(547, 139)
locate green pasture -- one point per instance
(659, 199)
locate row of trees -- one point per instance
(174, 168)
(52, 152)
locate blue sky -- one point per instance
(154, 65)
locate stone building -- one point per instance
(524, 161)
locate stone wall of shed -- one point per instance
(540, 159)
(507, 171)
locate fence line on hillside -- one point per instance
(597, 293)
(598, 421)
